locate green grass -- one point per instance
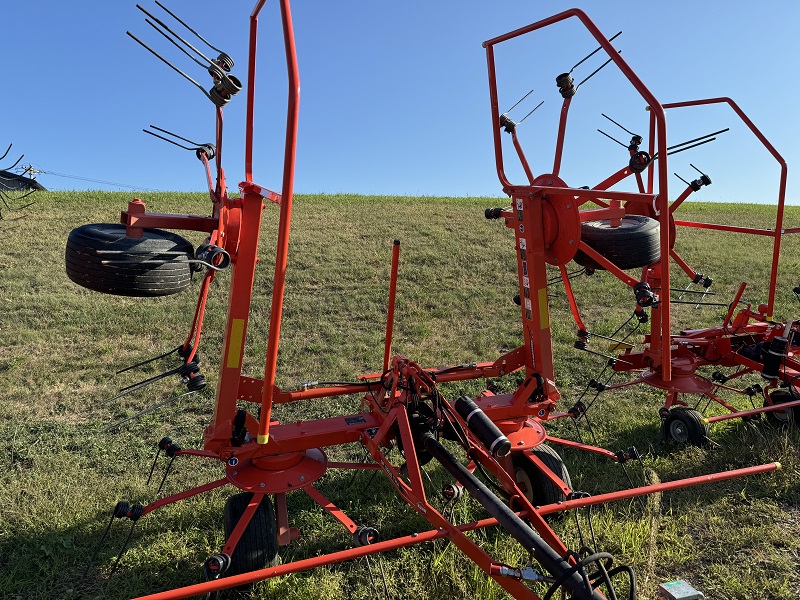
(60, 474)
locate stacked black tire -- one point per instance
(101, 257)
(632, 244)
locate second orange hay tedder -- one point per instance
(502, 436)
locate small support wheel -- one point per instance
(685, 426)
(783, 418)
(538, 488)
(634, 243)
(100, 257)
(258, 546)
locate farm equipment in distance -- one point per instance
(502, 435)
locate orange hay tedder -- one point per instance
(501, 437)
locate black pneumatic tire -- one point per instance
(258, 546)
(635, 243)
(100, 257)
(685, 426)
(537, 487)
(786, 417)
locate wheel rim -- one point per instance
(524, 482)
(678, 431)
(782, 416)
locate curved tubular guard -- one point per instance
(777, 233)
(659, 125)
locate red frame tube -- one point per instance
(778, 231)
(387, 347)
(287, 189)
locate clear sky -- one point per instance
(394, 94)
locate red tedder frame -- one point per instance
(401, 404)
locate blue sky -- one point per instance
(394, 94)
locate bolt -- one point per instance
(569, 205)
(302, 478)
(572, 242)
(261, 484)
(520, 443)
(235, 473)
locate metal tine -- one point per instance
(169, 64)
(176, 135)
(612, 138)
(696, 169)
(702, 137)
(596, 71)
(6, 152)
(174, 43)
(137, 386)
(587, 57)
(530, 113)
(147, 410)
(174, 143)
(149, 360)
(179, 20)
(690, 147)
(518, 102)
(682, 179)
(625, 129)
(703, 298)
(160, 22)
(15, 164)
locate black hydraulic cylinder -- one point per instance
(482, 426)
(516, 527)
(774, 357)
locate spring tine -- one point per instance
(690, 147)
(682, 179)
(617, 124)
(595, 72)
(164, 478)
(147, 410)
(124, 548)
(696, 169)
(174, 43)
(611, 138)
(169, 64)
(701, 299)
(137, 386)
(149, 360)
(685, 290)
(515, 104)
(174, 16)
(15, 164)
(153, 467)
(6, 152)
(530, 113)
(702, 137)
(611, 39)
(174, 143)
(188, 45)
(175, 135)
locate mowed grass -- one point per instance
(61, 474)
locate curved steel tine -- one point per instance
(170, 65)
(6, 152)
(188, 45)
(174, 16)
(174, 43)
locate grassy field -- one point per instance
(61, 474)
